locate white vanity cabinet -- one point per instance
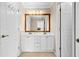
(37, 43)
(27, 43)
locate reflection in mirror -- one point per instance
(37, 23)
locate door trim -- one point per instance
(74, 29)
(60, 29)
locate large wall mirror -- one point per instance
(37, 23)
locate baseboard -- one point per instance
(55, 53)
(19, 53)
(37, 51)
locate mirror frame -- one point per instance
(38, 15)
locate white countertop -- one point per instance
(36, 33)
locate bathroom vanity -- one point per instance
(37, 42)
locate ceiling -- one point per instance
(36, 4)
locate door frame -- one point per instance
(60, 30)
(75, 19)
(74, 49)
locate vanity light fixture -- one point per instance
(35, 12)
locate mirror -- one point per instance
(37, 23)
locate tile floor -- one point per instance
(37, 54)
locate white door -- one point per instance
(66, 29)
(77, 29)
(3, 29)
(57, 30)
(9, 32)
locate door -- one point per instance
(9, 39)
(57, 29)
(77, 29)
(2, 29)
(66, 29)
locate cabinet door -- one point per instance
(27, 43)
(43, 43)
(50, 43)
(31, 43)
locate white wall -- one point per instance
(56, 24)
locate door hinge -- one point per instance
(60, 9)
(60, 48)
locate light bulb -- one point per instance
(33, 11)
(37, 12)
(41, 12)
